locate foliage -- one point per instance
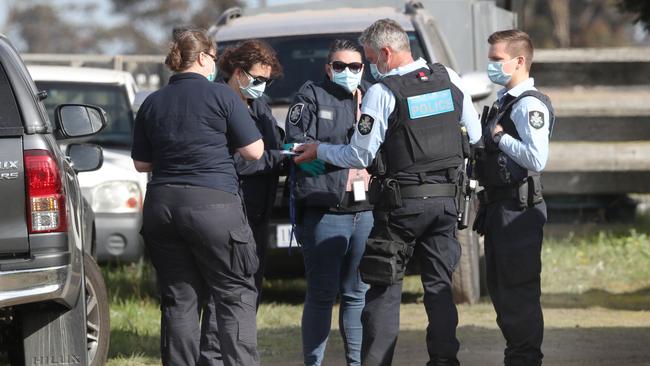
(140, 26)
(641, 8)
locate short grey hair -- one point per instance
(385, 33)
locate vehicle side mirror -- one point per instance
(79, 120)
(477, 84)
(85, 157)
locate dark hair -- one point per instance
(342, 45)
(517, 43)
(185, 48)
(246, 54)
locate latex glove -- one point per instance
(313, 168)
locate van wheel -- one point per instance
(97, 315)
(466, 281)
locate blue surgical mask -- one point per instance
(211, 76)
(496, 74)
(347, 79)
(251, 91)
(374, 70)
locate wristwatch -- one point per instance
(497, 137)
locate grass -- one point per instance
(593, 280)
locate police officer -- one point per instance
(512, 212)
(411, 126)
(183, 134)
(336, 216)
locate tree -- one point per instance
(149, 22)
(639, 7)
(40, 28)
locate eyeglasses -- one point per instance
(257, 80)
(339, 66)
(213, 57)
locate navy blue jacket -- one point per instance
(323, 111)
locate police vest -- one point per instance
(424, 133)
(494, 167)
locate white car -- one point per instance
(116, 191)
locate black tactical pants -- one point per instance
(210, 347)
(201, 246)
(430, 225)
(513, 243)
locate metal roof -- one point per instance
(339, 20)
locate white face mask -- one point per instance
(251, 91)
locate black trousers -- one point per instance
(430, 225)
(513, 244)
(210, 347)
(202, 247)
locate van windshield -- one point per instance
(112, 98)
(304, 57)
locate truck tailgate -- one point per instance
(13, 223)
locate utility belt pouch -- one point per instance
(535, 189)
(374, 190)
(523, 194)
(384, 262)
(391, 193)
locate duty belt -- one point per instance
(428, 190)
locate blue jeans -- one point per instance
(333, 244)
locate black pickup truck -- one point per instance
(53, 302)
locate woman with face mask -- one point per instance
(336, 217)
(248, 68)
(185, 134)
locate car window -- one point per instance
(112, 98)
(9, 114)
(303, 58)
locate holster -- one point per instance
(384, 261)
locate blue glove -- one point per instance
(313, 168)
(288, 146)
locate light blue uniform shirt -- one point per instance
(379, 103)
(531, 118)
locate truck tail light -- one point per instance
(45, 197)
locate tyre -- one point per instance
(466, 281)
(97, 315)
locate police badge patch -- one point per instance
(295, 112)
(365, 124)
(536, 119)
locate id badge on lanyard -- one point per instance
(359, 190)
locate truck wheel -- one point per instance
(97, 316)
(466, 280)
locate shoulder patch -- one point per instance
(364, 126)
(536, 119)
(295, 113)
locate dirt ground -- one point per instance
(594, 336)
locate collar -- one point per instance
(403, 70)
(185, 76)
(523, 86)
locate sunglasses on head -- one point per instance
(257, 80)
(339, 66)
(213, 57)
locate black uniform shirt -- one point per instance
(187, 130)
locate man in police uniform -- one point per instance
(411, 127)
(512, 212)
